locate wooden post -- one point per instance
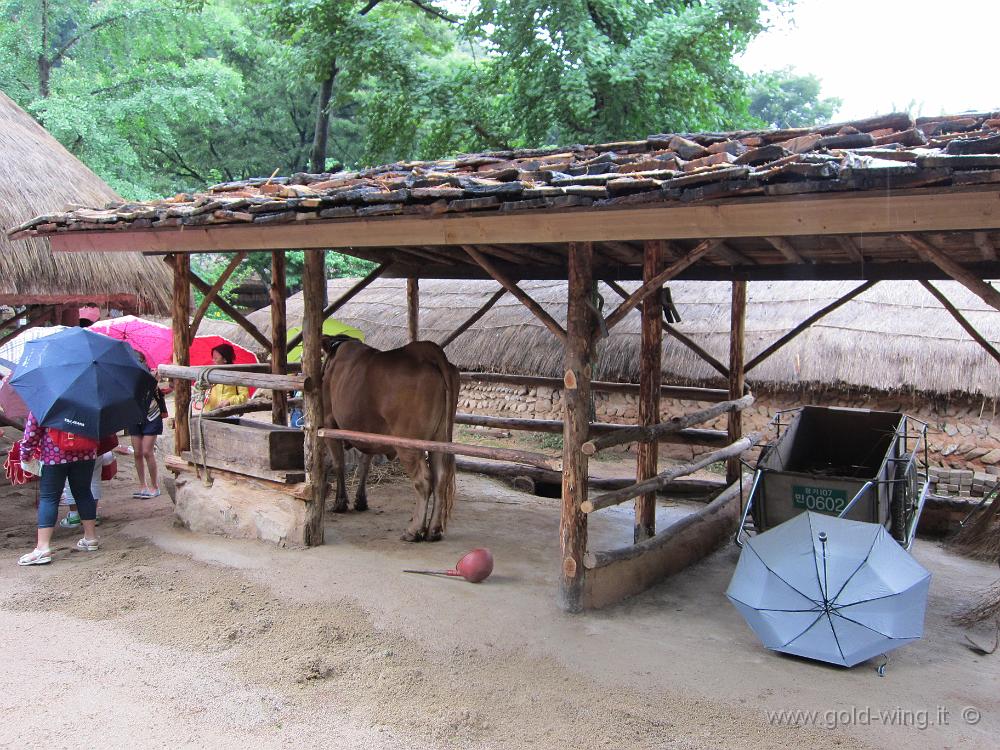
(313, 286)
(576, 417)
(180, 310)
(647, 452)
(413, 307)
(737, 379)
(279, 334)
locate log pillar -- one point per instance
(413, 307)
(313, 286)
(69, 315)
(279, 334)
(737, 376)
(576, 417)
(180, 310)
(649, 390)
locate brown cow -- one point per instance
(408, 392)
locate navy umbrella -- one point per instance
(82, 382)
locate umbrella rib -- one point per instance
(808, 628)
(773, 572)
(866, 627)
(835, 638)
(860, 565)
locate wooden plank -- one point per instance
(660, 431)
(737, 376)
(685, 436)
(786, 248)
(860, 212)
(536, 309)
(279, 334)
(342, 300)
(577, 357)
(977, 286)
(461, 449)
(620, 496)
(218, 374)
(181, 331)
(255, 446)
(618, 574)
(689, 393)
(188, 460)
(848, 245)
(962, 320)
(653, 284)
(806, 323)
(209, 297)
(413, 308)
(474, 318)
(314, 296)
(650, 372)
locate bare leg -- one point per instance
(140, 470)
(361, 496)
(335, 449)
(44, 537)
(148, 452)
(415, 465)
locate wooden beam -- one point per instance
(806, 323)
(786, 248)
(209, 297)
(510, 286)
(313, 291)
(860, 212)
(212, 374)
(413, 308)
(650, 373)
(181, 305)
(731, 255)
(279, 334)
(474, 318)
(620, 496)
(962, 320)
(848, 245)
(232, 312)
(986, 247)
(659, 431)
(342, 300)
(529, 458)
(977, 286)
(689, 393)
(681, 437)
(653, 285)
(624, 252)
(737, 376)
(577, 356)
(681, 337)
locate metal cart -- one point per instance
(851, 463)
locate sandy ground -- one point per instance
(166, 638)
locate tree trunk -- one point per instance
(318, 157)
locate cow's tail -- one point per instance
(443, 464)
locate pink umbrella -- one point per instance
(156, 341)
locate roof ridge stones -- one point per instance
(864, 154)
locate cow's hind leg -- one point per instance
(361, 496)
(336, 452)
(415, 465)
(442, 467)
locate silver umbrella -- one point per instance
(830, 589)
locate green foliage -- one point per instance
(785, 99)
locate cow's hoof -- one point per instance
(339, 507)
(434, 535)
(361, 506)
(410, 536)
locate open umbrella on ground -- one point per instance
(156, 341)
(82, 382)
(830, 589)
(331, 327)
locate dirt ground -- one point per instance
(166, 638)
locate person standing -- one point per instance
(144, 437)
(61, 461)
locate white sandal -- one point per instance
(87, 545)
(36, 557)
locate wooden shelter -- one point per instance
(884, 198)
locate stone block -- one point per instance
(993, 457)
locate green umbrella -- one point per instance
(331, 327)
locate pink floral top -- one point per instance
(36, 442)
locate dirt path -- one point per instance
(202, 641)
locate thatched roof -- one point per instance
(895, 336)
(39, 176)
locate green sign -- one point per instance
(819, 499)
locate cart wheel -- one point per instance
(901, 504)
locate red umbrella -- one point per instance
(201, 351)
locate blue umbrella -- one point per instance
(82, 382)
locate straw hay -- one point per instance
(39, 176)
(893, 337)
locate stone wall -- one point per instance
(963, 432)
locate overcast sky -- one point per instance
(879, 56)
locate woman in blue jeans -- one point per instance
(58, 466)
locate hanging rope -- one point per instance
(201, 388)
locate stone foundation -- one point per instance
(962, 432)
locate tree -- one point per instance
(785, 99)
